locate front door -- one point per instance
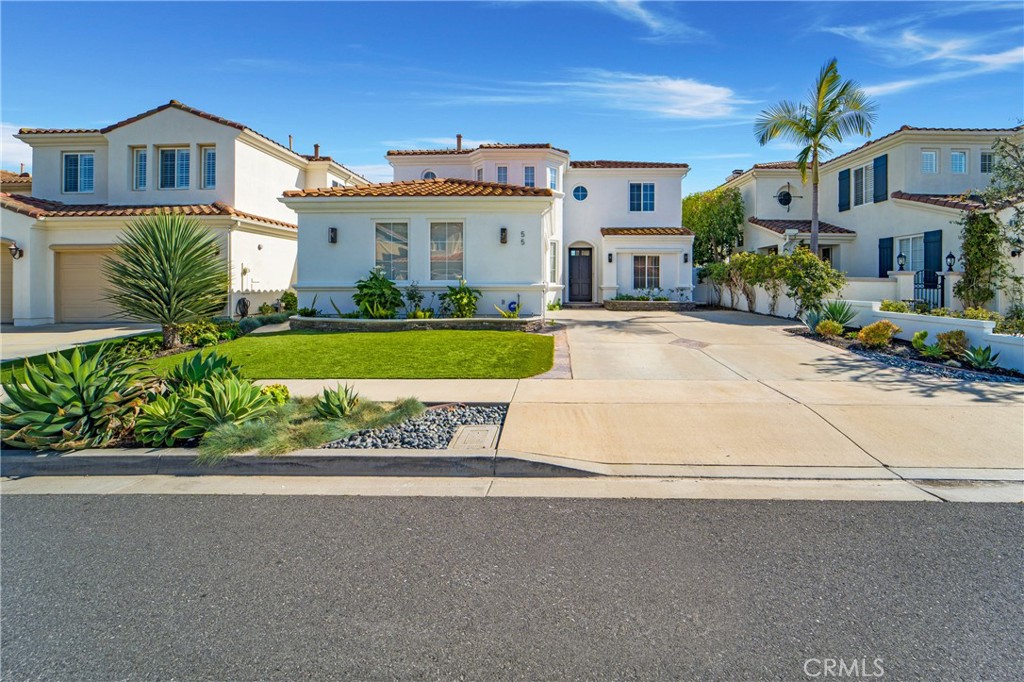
(580, 269)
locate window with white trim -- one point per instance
(958, 162)
(174, 168)
(209, 158)
(446, 251)
(863, 185)
(79, 172)
(913, 249)
(641, 196)
(646, 272)
(392, 241)
(553, 261)
(429, 175)
(929, 162)
(553, 178)
(988, 160)
(140, 168)
(479, 174)
(503, 175)
(529, 176)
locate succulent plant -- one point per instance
(337, 402)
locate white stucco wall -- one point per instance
(269, 257)
(261, 178)
(47, 170)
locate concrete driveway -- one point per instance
(22, 342)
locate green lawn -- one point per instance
(435, 354)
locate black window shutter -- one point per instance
(844, 190)
(881, 168)
(932, 252)
(884, 256)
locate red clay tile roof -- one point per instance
(957, 201)
(787, 165)
(39, 208)
(439, 187)
(645, 231)
(625, 164)
(468, 150)
(8, 176)
(781, 226)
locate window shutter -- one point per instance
(844, 190)
(933, 251)
(881, 168)
(884, 256)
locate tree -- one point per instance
(167, 269)
(809, 280)
(834, 110)
(716, 218)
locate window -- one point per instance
(429, 175)
(641, 196)
(553, 178)
(863, 185)
(479, 174)
(209, 157)
(553, 262)
(393, 250)
(174, 168)
(929, 162)
(913, 249)
(958, 162)
(335, 183)
(79, 172)
(503, 175)
(646, 272)
(140, 168)
(529, 176)
(446, 251)
(579, 192)
(987, 161)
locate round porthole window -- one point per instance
(579, 192)
(784, 198)
(429, 175)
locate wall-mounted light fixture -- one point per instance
(259, 247)
(16, 251)
(901, 261)
(950, 261)
(686, 258)
(332, 235)
(504, 235)
(609, 258)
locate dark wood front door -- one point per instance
(580, 280)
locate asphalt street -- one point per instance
(328, 588)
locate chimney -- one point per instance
(458, 142)
(23, 168)
(316, 151)
(290, 143)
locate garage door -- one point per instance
(80, 288)
(6, 280)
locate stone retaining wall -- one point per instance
(329, 324)
(647, 306)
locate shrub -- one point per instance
(933, 351)
(375, 293)
(192, 333)
(953, 343)
(135, 347)
(1010, 325)
(809, 280)
(981, 358)
(247, 324)
(555, 305)
(199, 369)
(829, 329)
(460, 301)
(265, 308)
(888, 306)
(278, 393)
(508, 314)
(72, 402)
(311, 310)
(337, 402)
(224, 400)
(273, 318)
(980, 314)
(918, 341)
(839, 311)
(716, 275)
(878, 335)
(289, 301)
(421, 314)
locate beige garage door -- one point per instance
(80, 288)
(6, 281)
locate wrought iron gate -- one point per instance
(929, 289)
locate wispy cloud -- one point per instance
(13, 152)
(661, 26)
(375, 172)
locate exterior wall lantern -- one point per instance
(609, 258)
(901, 261)
(332, 235)
(950, 261)
(504, 235)
(16, 251)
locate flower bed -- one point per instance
(347, 324)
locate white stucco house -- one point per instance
(86, 183)
(900, 193)
(519, 222)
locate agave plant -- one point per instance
(981, 358)
(839, 311)
(199, 369)
(812, 318)
(224, 400)
(72, 402)
(167, 270)
(337, 402)
(158, 421)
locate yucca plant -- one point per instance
(981, 358)
(839, 311)
(167, 269)
(336, 403)
(199, 369)
(224, 400)
(72, 402)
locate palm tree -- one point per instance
(835, 109)
(167, 269)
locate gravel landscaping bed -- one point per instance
(432, 430)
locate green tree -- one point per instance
(716, 218)
(167, 270)
(834, 110)
(809, 280)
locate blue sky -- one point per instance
(652, 81)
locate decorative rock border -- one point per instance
(648, 306)
(333, 324)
